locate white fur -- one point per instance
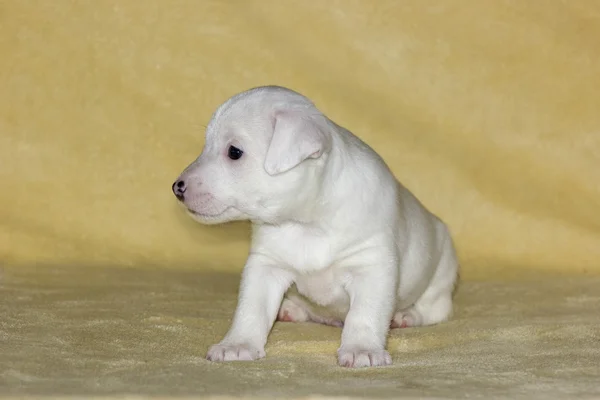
(332, 227)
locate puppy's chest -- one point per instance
(302, 249)
(324, 288)
(315, 258)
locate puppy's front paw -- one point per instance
(357, 357)
(234, 352)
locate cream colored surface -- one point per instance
(145, 331)
(487, 110)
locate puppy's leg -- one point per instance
(435, 304)
(261, 291)
(373, 296)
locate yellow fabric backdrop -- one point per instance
(487, 110)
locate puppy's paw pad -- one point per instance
(291, 312)
(402, 323)
(234, 352)
(356, 357)
(284, 316)
(405, 319)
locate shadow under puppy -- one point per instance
(336, 239)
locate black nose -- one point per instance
(179, 189)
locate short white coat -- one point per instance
(336, 239)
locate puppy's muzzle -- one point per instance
(179, 188)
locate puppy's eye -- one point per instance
(234, 153)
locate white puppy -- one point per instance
(332, 228)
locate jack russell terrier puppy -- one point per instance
(336, 239)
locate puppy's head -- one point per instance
(263, 159)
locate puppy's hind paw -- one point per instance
(291, 312)
(406, 319)
(357, 357)
(234, 352)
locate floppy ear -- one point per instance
(295, 138)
